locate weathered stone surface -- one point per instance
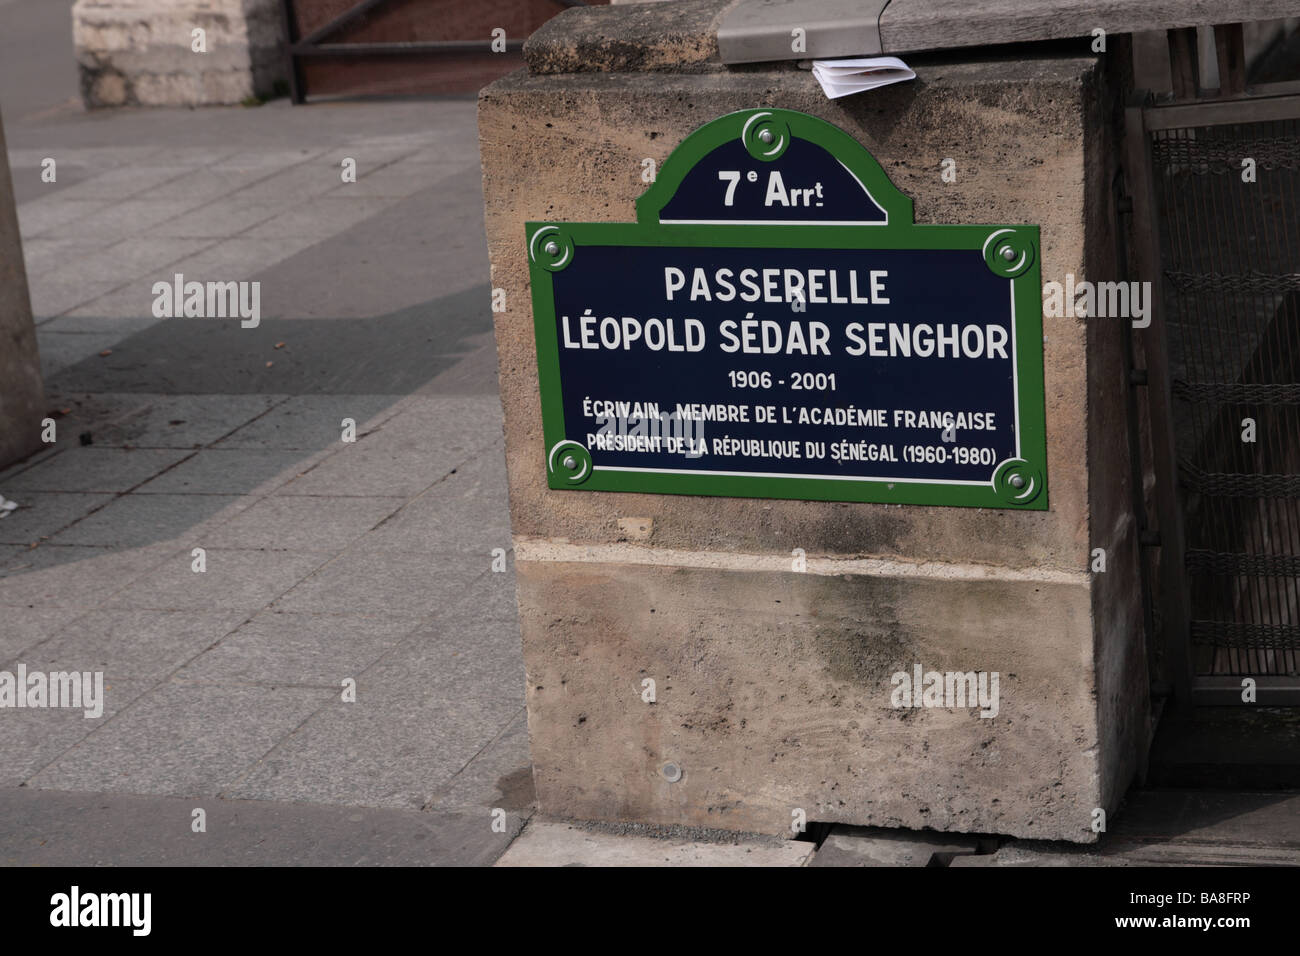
(552, 843)
(570, 148)
(22, 393)
(140, 52)
(682, 38)
(773, 693)
(773, 686)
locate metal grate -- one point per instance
(1230, 254)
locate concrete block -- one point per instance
(783, 702)
(774, 686)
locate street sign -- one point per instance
(774, 325)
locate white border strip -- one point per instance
(543, 551)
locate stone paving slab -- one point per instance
(394, 747)
(236, 579)
(360, 582)
(278, 647)
(321, 215)
(225, 471)
(40, 217)
(183, 740)
(42, 255)
(135, 521)
(91, 469)
(122, 220)
(124, 182)
(385, 354)
(75, 577)
(301, 523)
(43, 514)
(546, 843)
(135, 644)
(368, 473)
(310, 421)
(500, 775)
(441, 525)
(25, 627)
(45, 828)
(55, 293)
(218, 221)
(172, 421)
(483, 476)
(33, 739)
(138, 257)
(463, 423)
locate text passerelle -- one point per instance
(796, 289)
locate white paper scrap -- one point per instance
(842, 77)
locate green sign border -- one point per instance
(1009, 251)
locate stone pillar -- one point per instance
(773, 687)
(142, 52)
(22, 394)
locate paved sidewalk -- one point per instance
(326, 560)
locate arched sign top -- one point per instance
(772, 167)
